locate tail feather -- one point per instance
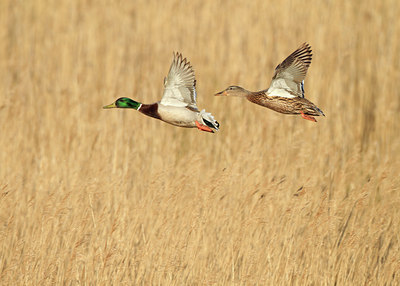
(319, 110)
(209, 120)
(313, 110)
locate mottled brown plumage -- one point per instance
(286, 92)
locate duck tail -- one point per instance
(319, 111)
(209, 120)
(312, 109)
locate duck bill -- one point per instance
(222, 93)
(112, 105)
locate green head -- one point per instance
(124, 102)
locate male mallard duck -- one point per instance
(178, 104)
(286, 93)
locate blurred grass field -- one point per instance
(99, 197)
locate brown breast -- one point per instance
(150, 110)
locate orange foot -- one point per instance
(308, 117)
(203, 127)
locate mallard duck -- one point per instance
(286, 92)
(178, 104)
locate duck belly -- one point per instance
(285, 105)
(281, 105)
(178, 116)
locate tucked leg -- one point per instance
(308, 117)
(203, 127)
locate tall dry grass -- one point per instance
(99, 197)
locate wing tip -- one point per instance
(181, 61)
(306, 48)
(304, 54)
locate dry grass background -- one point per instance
(100, 197)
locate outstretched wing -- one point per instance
(288, 80)
(180, 84)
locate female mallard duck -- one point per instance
(178, 104)
(286, 93)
